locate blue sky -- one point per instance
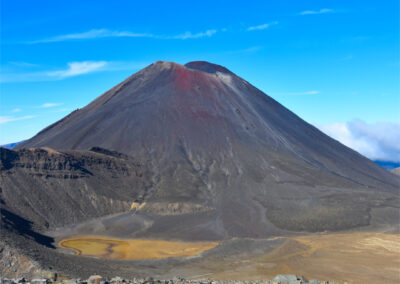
(334, 63)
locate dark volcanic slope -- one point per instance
(231, 159)
(54, 188)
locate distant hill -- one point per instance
(396, 171)
(11, 145)
(387, 164)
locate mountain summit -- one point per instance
(226, 159)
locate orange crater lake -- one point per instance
(134, 249)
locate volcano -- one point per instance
(190, 153)
(219, 146)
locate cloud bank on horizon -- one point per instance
(377, 141)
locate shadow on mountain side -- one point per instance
(14, 222)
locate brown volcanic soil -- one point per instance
(355, 258)
(204, 155)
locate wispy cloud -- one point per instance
(105, 33)
(316, 12)
(377, 141)
(245, 50)
(309, 93)
(313, 92)
(62, 110)
(92, 34)
(78, 68)
(72, 69)
(261, 27)
(188, 35)
(47, 105)
(250, 49)
(16, 110)
(7, 119)
(22, 64)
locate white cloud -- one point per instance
(6, 119)
(252, 49)
(378, 141)
(78, 68)
(73, 69)
(105, 33)
(92, 34)
(22, 64)
(309, 93)
(47, 105)
(63, 110)
(16, 110)
(261, 27)
(188, 35)
(246, 50)
(313, 92)
(316, 12)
